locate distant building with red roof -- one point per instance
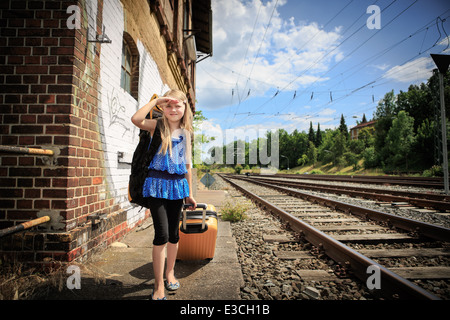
(355, 130)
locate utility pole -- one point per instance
(442, 61)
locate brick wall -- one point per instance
(59, 91)
(50, 99)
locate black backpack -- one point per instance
(142, 157)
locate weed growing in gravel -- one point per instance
(234, 212)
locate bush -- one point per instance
(233, 212)
(370, 159)
(434, 171)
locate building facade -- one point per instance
(73, 73)
(354, 132)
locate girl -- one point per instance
(169, 181)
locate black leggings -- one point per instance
(166, 216)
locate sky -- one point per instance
(287, 63)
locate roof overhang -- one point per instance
(202, 21)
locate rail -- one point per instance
(421, 182)
(409, 225)
(425, 200)
(341, 253)
(23, 150)
(24, 226)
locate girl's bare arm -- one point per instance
(138, 119)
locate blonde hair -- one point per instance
(185, 122)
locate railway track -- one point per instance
(422, 182)
(360, 241)
(426, 200)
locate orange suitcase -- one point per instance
(198, 233)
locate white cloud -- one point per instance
(381, 67)
(412, 71)
(288, 55)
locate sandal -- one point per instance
(171, 286)
(163, 298)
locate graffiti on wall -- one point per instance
(117, 112)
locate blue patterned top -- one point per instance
(166, 172)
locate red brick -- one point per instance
(8, 182)
(44, 119)
(26, 161)
(11, 193)
(25, 204)
(41, 204)
(13, 79)
(61, 70)
(46, 98)
(42, 182)
(48, 79)
(25, 182)
(61, 51)
(30, 79)
(97, 180)
(48, 42)
(55, 193)
(15, 59)
(36, 109)
(33, 193)
(12, 98)
(43, 51)
(43, 140)
(14, 89)
(60, 89)
(33, 42)
(32, 70)
(26, 140)
(27, 118)
(34, 32)
(22, 214)
(24, 172)
(16, 23)
(49, 60)
(59, 109)
(58, 172)
(29, 99)
(27, 129)
(60, 129)
(16, 51)
(32, 60)
(38, 89)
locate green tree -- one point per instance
(424, 144)
(311, 134)
(370, 159)
(318, 136)
(312, 153)
(352, 159)
(399, 140)
(417, 102)
(384, 115)
(364, 120)
(342, 126)
(339, 148)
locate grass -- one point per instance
(234, 212)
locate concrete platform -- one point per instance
(214, 197)
(125, 270)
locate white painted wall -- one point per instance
(117, 106)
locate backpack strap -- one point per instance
(155, 143)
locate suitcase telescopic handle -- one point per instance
(199, 205)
